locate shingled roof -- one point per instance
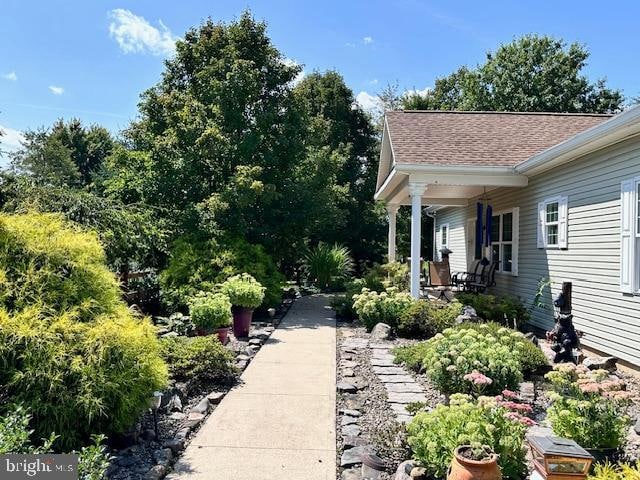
(479, 138)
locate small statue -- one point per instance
(563, 337)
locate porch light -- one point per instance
(557, 458)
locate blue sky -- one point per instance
(91, 59)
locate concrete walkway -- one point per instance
(280, 423)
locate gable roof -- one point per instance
(501, 139)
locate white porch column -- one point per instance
(416, 190)
(392, 210)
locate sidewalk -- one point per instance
(280, 422)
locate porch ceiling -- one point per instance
(446, 186)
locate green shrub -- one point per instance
(200, 264)
(15, 437)
(396, 275)
(386, 307)
(500, 309)
(328, 265)
(46, 261)
(243, 291)
(423, 319)
(202, 359)
(623, 471)
(79, 377)
(458, 352)
(70, 350)
(210, 311)
(412, 355)
(434, 435)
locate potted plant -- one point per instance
(246, 294)
(211, 312)
(474, 462)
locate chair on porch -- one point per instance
(487, 279)
(440, 278)
(461, 279)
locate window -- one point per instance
(444, 235)
(552, 228)
(630, 236)
(503, 238)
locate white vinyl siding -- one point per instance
(593, 261)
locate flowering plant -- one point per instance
(434, 435)
(464, 359)
(573, 380)
(386, 307)
(210, 310)
(244, 291)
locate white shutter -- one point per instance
(515, 245)
(627, 236)
(541, 214)
(438, 242)
(563, 214)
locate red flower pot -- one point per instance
(463, 468)
(223, 335)
(241, 321)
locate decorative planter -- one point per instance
(465, 469)
(223, 335)
(241, 321)
(602, 455)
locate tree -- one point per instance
(66, 154)
(219, 136)
(338, 128)
(531, 74)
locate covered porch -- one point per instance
(421, 186)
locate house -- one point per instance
(564, 190)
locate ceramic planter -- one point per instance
(241, 321)
(465, 469)
(223, 334)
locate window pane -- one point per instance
(507, 227)
(552, 234)
(495, 252)
(445, 234)
(552, 212)
(507, 257)
(495, 228)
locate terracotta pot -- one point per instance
(241, 321)
(464, 469)
(223, 334)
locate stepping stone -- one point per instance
(380, 346)
(351, 430)
(399, 409)
(403, 387)
(353, 456)
(389, 370)
(347, 420)
(351, 474)
(404, 418)
(348, 364)
(354, 343)
(349, 441)
(395, 397)
(381, 354)
(347, 387)
(350, 412)
(382, 362)
(395, 378)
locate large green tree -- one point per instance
(336, 125)
(219, 137)
(531, 74)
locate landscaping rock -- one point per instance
(419, 473)
(406, 398)
(395, 370)
(157, 472)
(182, 389)
(352, 474)
(468, 314)
(353, 456)
(183, 433)
(403, 387)
(243, 358)
(215, 397)
(350, 412)
(176, 445)
(381, 331)
(194, 419)
(404, 470)
(347, 420)
(242, 364)
(597, 363)
(349, 441)
(348, 364)
(149, 435)
(202, 406)
(255, 341)
(351, 430)
(163, 456)
(175, 404)
(348, 372)
(346, 387)
(354, 401)
(636, 427)
(177, 416)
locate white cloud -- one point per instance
(367, 40)
(290, 62)
(373, 81)
(9, 140)
(421, 93)
(56, 90)
(370, 103)
(10, 76)
(135, 34)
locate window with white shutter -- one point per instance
(552, 223)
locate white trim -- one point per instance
(629, 271)
(561, 223)
(514, 242)
(442, 228)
